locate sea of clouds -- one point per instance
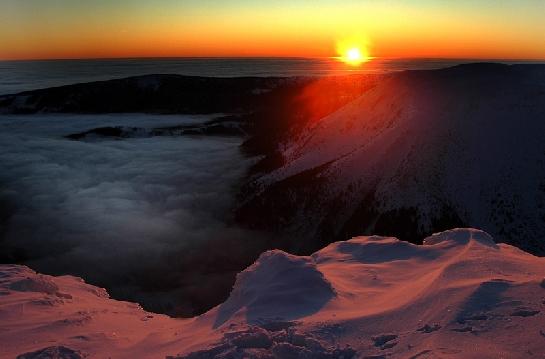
(148, 218)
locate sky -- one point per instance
(492, 29)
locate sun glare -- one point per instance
(354, 56)
(352, 53)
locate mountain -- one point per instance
(268, 109)
(420, 152)
(458, 295)
(402, 154)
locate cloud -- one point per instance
(147, 218)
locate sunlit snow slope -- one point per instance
(459, 295)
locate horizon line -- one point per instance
(270, 57)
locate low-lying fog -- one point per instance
(144, 217)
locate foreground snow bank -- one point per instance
(458, 295)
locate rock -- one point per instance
(380, 340)
(428, 329)
(524, 313)
(254, 338)
(463, 329)
(54, 352)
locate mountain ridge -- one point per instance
(420, 152)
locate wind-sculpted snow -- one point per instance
(459, 295)
(422, 151)
(277, 285)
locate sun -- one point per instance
(354, 56)
(353, 53)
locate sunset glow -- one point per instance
(34, 29)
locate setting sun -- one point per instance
(352, 52)
(354, 57)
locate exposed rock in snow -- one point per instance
(459, 295)
(422, 151)
(56, 352)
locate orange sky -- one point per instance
(505, 29)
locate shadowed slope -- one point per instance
(422, 151)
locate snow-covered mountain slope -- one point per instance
(459, 295)
(422, 151)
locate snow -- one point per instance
(465, 139)
(458, 295)
(277, 285)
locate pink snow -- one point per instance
(458, 295)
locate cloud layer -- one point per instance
(147, 218)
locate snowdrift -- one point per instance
(458, 295)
